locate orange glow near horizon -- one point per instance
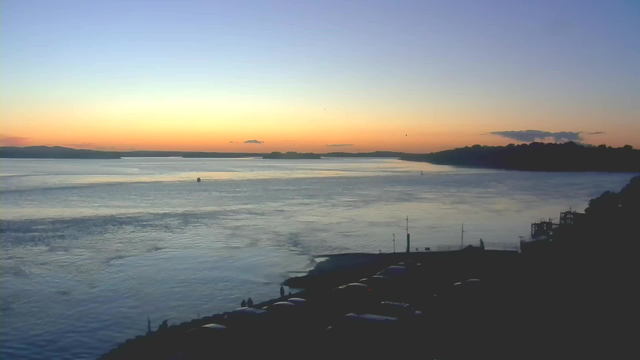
(304, 140)
(221, 126)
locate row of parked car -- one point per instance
(367, 309)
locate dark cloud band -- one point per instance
(533, 135)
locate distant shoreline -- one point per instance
(292, 156)
(59, 152)
(567, 157)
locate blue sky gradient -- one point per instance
(439, 66)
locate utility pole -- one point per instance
(462, 237)
(408, 237)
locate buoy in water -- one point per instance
(198, 180)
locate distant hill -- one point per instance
(538, 157)
(59, 152)
(291, 155)
(55, 152)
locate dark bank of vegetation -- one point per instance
(291, 155)
(538, 157)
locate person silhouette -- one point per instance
(164, 325)
(281, 291)
(243, 303)
(249, 302)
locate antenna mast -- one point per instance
(394, 243)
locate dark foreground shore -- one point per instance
(473, 304)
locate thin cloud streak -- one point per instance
(8, 140)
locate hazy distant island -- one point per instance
(218, 155)
(381, 154)
(538, 156)
(292, 155)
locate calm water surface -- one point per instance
(90, 248)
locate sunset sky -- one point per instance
(413, 76)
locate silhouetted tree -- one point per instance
(611, 205)
(605, 205)
(610, 224)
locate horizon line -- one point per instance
(301, 152)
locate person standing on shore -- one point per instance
(249, 302)
(281, 291)
(243, 303)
